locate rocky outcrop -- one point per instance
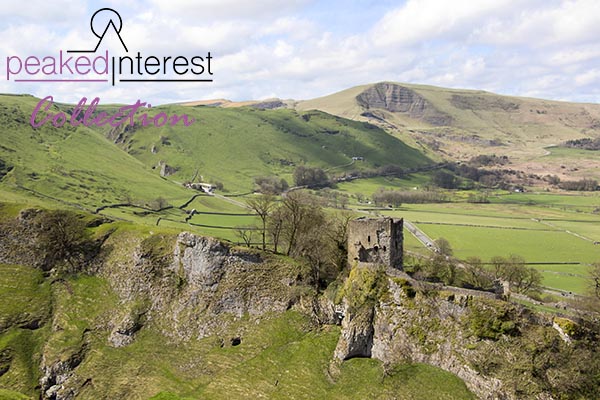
(55, 382)
(475, 336)
(430, 335)
(487, 103)
(166, 169)
(399, 99)
(123, 332)
(193, 281)
(356, 339)
(17, 238)
(269, 104)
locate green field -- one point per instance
(84, 168)
(369, 186)
(541, 234)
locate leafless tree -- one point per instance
(245, 233)
(263, 206)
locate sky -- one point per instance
(302, 49)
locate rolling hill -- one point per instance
(235, 145)
(95, 168)
(458, 124)
(77, 166)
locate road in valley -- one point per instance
(420, 235)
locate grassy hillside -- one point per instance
(78, 166)
(458, 124)
(48, 321)
(234, 145)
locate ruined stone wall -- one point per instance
(376, 241)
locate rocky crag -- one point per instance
(187, 287)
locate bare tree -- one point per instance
(294, 209)
(444, 247)
(338, 236)
(475, 274)
(595, 280)
(263, 206)
(275, 226)
(514, 270)
(245, 233)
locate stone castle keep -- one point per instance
(375, 241)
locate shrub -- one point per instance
(270, 184)
(311, 177)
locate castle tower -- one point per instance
(375, 241)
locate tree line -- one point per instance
(299, 227)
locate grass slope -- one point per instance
(283, 356)
(521, 127)
(74, 165)
(235, 145)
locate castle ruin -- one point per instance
(375, 241)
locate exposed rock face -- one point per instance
(202, 259)
(475, 336)
(488, 103)
(356, 339)
(17, 238)
(269, 104)
(166, 169)
(402, 333)
(55, 383)
(123, 333)
(399, 99)
(188, 290)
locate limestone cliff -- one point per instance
(500, 350)
(400, 99)
(147, 289)
(189, 283)
(186, 287)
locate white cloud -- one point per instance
(420, 20)
(535, 47)
(64, 11)
(207, 10)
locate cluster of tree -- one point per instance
(270, 184)
(484, 177)
(63, 241)
(299, 227)
(487, 160)
(513, 269)
(395, 198)
(439, 268)
(584, 185)
(585, 144)
(473, 176)
(552, 179)
(592, 301)
(595, 280)
(445, 180)
(311, 177)
(478, 198)
(390, 170)
(473, 274)
(332, 198)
